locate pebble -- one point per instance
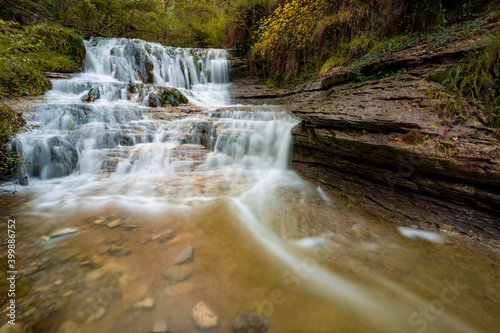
(184, 256)
(132, 227)
(167, 235)
(146, 304)
(250, 322)
(100, 221)
(115, 223)
(119, 251)
(203, 317)
(177, 274)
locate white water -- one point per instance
(114, 152)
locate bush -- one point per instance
(478, 77)
(27, 52)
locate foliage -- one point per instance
(187, 23)
(478, 77)
(342, 31)
(25, 53)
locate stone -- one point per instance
(62, 232)
(177, 274)
(95, 275)
(146, 304)
(132, 227)
(115, 223)
(185, 256)
(91, 96)
(250, 322)
(203, 317)
(160, 326)
(167, 235)
(119, 251)
(100, 221)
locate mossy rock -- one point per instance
(167, 96)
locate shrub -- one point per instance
(478, 77)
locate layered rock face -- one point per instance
(386, 143)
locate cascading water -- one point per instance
(218, 174)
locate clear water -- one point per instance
(264, 239)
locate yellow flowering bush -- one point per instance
(288, 31)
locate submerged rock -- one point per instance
(119, 251)
(59, 233)
(167, 235)
(177, 274)
(185, 256)
(203, 317)
(146, 304)
(115, 223)
(250, 322)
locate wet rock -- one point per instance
(161, 97)
(203, 317)
(167, 235)
(250, 322)
(119, 251)
(115, 223)
(160, 326)
(146, 304)
(132, 227)
(148, 65)
(177, 274)
(185, 256)
(92, 95)
(154, 100)
(60, 233)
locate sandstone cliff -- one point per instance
(383, 143)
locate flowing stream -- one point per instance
(123, 173)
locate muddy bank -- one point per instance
(385, 143)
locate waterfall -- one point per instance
(99, 125)
(103, 145)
